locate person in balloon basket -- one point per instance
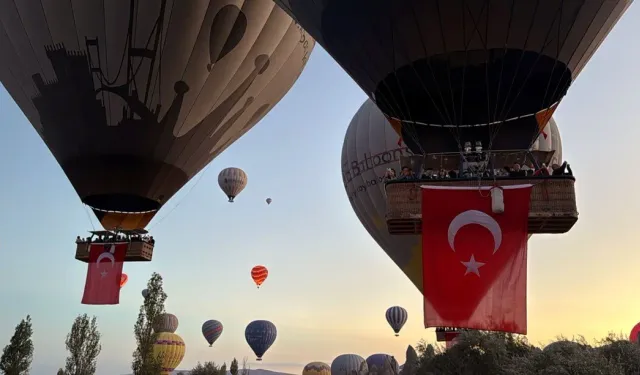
(407, 174)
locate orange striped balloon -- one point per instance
(123, 279)
(259, 274)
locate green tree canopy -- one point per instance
(83, 345)
(144, 362)
(17, 356)
(495, 353)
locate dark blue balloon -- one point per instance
(260, 335)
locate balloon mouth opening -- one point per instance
(121, 203)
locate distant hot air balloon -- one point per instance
(145, 92)
(165, 323)
(635, 334)
(145, 293)
(382, 364)
(349, 364)
(211, 330)
(170, 348)
(371, 146)
(316, 368)
(259, 274)
(269, 200)
(260, 335)
(397, 317)
(232, 181)
(123, 279)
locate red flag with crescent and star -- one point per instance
(104, 274)
(475, 261)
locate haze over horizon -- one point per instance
(329, 283)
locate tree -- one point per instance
(209, 368)
(83, 345)
(17, 356)
(144, 362)
(233, 369)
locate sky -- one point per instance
(329, 283)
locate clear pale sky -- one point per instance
(329, 283)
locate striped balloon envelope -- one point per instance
(165, 323)
(397, 317)
(211, 330)
(259, 274)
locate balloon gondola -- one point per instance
(133, 106)
(370, 151)
(453, 74)
(139, 245)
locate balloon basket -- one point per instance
(258, 359)
(397, 334)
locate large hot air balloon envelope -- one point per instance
(259, 274)
(635, 334)
(170, 348)
(232, 181)
(145, 293)
(316, 368)
(260, 335)
(370, 147)
(211, 330)
(349, 364)
(133, 98)
(396, 317)
(382, 364)
(447, 71)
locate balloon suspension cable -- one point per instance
(181, 199)
(86, 210)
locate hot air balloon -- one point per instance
(123, 279)
(145, 293)
(269, 200)
(316, 368)
(165, 323)
(260, 335)
(133, 98)
(448, 72)
(635, 334)
(370, 147)
(349, 364)
(259, 274)
(170, 348)
(396, 317)
(382, 364)
(232, 181)
(211, 330)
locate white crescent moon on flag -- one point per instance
(107, 255)
(475, 217)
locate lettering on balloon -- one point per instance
(369, 162)
(305, 43)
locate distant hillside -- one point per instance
(251, 372)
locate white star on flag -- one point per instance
(472, 266)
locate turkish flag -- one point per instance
(104, 273)
(474, 261)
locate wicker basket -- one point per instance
(552, 207)
(138, 251)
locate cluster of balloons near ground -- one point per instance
(353, 364)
